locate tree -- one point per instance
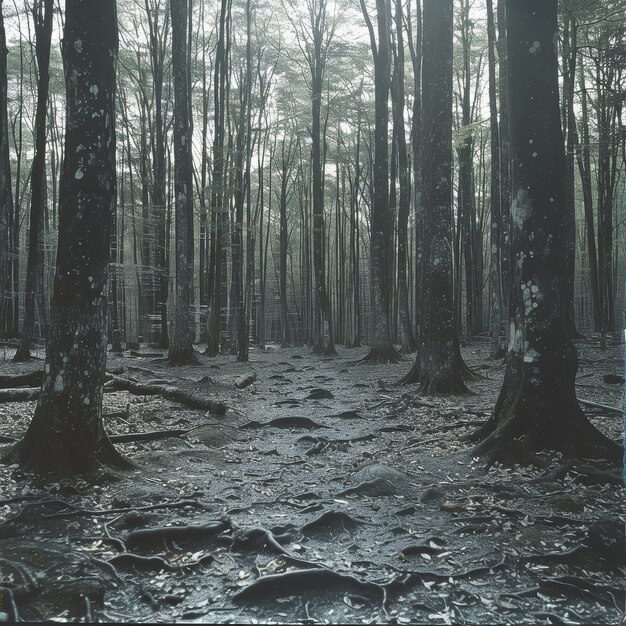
(42, 16)
(537, 407)
(439, 367)
(314, 40)
(407, 339)
(497, 287)
(382, 350)
(66, 434)
(220, 73)
(6, 194)
(180, 346)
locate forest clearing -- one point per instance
(309, 311)
(319, 464)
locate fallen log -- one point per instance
(33, 379)
(189, 398)
(19, 395)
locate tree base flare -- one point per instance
(378, 355)
(41, 457)
(178, 358)
(528, 430)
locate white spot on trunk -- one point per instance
(58, 383)
(79, 174)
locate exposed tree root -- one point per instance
(142, 563)
(35, 455)
(285, 422)
(150, 537)
(330, 521)
(169, 392)
(305, 581)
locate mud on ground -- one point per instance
(325, 495)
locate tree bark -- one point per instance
(66, 435)
(42, 16)
(537, 408)
(180, 345)
(382, 349)
(6, 194)
(407, 339)
(438, 367)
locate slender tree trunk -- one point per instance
(66, 435)
(569, 240)
(407, 339)
(438, 367)
(382, 349)
(214, 316)
(6, 193)
(495, 190)
(180, 345)
(42, 15)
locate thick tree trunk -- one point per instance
(66, 435)
(438, 367)
(537, 408)
(42, 15)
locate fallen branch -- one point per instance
(604, 407)
(148, 436)
(169, 392)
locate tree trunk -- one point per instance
(180, 345)
(407, 339)
(497, 291)
(66, 435)
(42, 16)
(214, 315)
(382, 349)
(438, 367)
(6, 194)
(537, 408)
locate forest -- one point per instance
(311, 311)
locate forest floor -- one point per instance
(326, 494)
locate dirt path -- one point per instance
(325, 494)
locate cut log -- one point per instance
(191, 399)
